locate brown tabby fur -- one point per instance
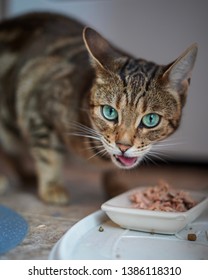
(55, 79)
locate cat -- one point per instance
(62, 83)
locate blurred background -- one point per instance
(156, 30)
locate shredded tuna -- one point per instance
(162, 198)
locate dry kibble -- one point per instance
(191, 237)
(101, 229)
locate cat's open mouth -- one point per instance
(126, 162)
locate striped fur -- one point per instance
(54, 84)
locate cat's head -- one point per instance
(135, 103)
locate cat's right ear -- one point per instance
(102, 53)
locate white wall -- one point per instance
(159, 30)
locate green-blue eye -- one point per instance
(151, 120)
(109, 113)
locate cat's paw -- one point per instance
(55, 194)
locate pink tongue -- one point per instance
(128, 161)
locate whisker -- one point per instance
(82, 128)
(169, 142)
(160, 156)
(147, 157)
(91, 148)
(145, 160)
(99, 152)
(166, 144)
(90, 141)
(157, 156)
(141, 151)
(161, 153)
(84, 135)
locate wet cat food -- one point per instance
(162, 197)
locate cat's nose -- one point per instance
(123, 148)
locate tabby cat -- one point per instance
(62, 84)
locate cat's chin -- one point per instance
(125, 162)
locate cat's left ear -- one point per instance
(103, 54)
(179, 72)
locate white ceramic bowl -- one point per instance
(119, 209)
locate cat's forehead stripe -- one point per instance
(136, 76)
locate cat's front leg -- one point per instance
(49, 162)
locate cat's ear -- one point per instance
(178, 73)
(103, 54)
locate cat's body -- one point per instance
(52, 98)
